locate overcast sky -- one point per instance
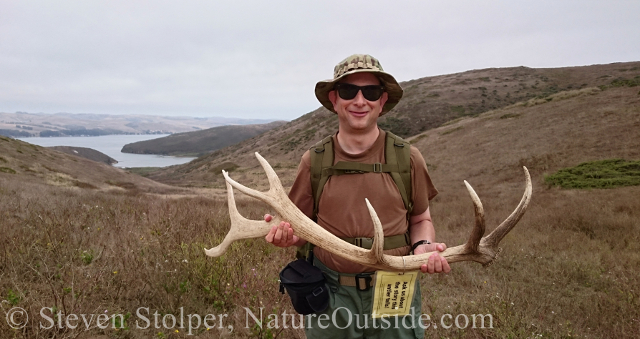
(261, 59)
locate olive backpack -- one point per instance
(398, 165)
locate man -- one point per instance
(359, 93)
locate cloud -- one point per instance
(262, 59)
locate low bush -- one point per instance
(598, 174)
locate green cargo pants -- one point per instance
(349, 314)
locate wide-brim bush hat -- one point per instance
(359, 63)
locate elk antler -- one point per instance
(479, 249)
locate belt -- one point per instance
(362, 281)
(390, 242)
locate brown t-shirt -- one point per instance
(342, 209)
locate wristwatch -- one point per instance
(418, 243)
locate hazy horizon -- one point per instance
(255, 60)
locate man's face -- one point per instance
(358, 115)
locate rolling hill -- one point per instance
(199, 143)
(85, 152)
(24, 162)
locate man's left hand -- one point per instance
(436, 263)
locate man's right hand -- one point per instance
(281, 235)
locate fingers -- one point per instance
(271, 234)
(436, 264)
(281, 235)
(431, 263)
(445, 266)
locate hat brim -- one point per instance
(388, 81)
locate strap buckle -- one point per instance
(377, 167)
(363, 279)
(317, 291)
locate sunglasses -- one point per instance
(349, 91)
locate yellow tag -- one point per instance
(393, 293)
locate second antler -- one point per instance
(478, 249)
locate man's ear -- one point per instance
(332, 98)
(383, 100)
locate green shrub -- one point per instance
(598, 174)
(227, 166)
(622, 82)
(459, 110)
(13, 298)
(87, 257)
(7, 170)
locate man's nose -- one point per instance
(359, 99)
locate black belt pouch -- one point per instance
(306, 287)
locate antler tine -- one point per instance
(478, 230)
(377, 248)
(496, 236)
(274, 181)
(241, 227)
(246, 190)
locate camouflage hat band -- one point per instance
(356, 62)
(359, 63)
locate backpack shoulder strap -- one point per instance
(321, 157)
(398, 151)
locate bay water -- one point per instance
(111, 146)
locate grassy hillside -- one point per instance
(88, 153)
(199, 142)
(562, 131)
(432, 101)
(24, 162)
(458, 96)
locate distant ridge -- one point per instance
(23, 124)
(199, 142)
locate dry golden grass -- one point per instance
(88, 252)
(569, 269)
